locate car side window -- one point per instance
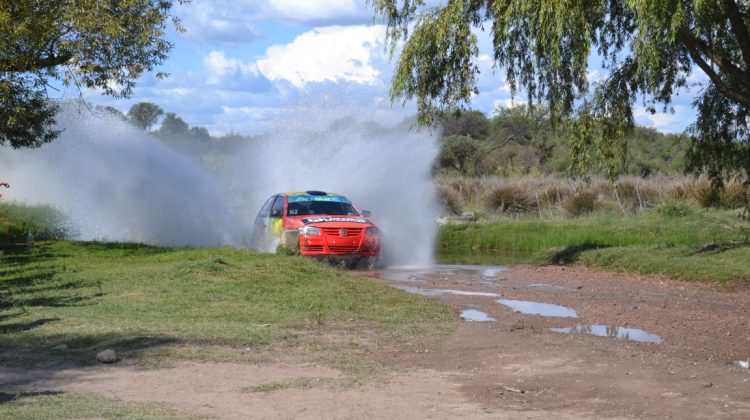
(278, 207)
(266, 209)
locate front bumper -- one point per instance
(340, 242)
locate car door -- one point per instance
(260, 227)
(276, 219)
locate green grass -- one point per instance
(144, 301)
(17, 220)
(58, 405)
(702, 245)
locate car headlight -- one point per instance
(310, 231)
(372, 231)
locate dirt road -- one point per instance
(664, 349)
(675, 356)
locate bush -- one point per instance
(581, 203)
(703, 193)
(17, 220)
(733, 196)
(510, 199)
(450, 200)
(674, 208)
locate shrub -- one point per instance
(510, 199)
(674, 208)
(581, 203)
(16, 220)
(450, 200)
(733, 196)
(703, 193)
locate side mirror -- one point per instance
(276, 213)
(366, 213)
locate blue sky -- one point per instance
(241, 63)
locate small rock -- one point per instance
(60, 347)
(745, 364)
(248, 349)
(107, 356)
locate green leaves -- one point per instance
(648, 47)
(91, 44)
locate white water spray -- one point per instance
(116, 183)
(113, 182)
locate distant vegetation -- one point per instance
(519, 141)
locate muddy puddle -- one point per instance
(442, 292)
(538, 308)
(622, 333)
(458, 273)
(476, 316)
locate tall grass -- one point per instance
(18, 220)
(554, 197)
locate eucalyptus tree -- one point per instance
(92, 44)
(648, 49)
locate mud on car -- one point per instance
(317, 224)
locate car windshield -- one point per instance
(301, 206)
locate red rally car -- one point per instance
(318, 224)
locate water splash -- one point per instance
(384, 170)
(117, 183)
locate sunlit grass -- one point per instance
(703, 245)
(135, 299)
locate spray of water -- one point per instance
(113, 182)
(116, 183)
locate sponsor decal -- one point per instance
(328, 198)
(334, 219)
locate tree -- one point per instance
(91, 44)
(648, 50)
(109, 110)
(144, 114)
(473, 124)
(459, 153)
(173, 125)
(200, 133)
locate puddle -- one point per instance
(476, 316)
(545, 286)
(484, 275)
(494, 271)
(623, 333)
(441, 292)
(416, 276)
(538, 308)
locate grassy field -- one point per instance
(686, 243)
(94, 295)
(154, 305)
(58, 405)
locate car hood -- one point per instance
(342, 221)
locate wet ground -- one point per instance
(600, 344)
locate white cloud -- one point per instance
(663, 121)
(318, 11)
(508, 103)
(219, 21)
(333, 53)
(219, 66)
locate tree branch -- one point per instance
(695, 53)
(725, 65)
(740, 30)
(15, 66)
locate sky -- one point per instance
(242, 63)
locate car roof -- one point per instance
(313, 193)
